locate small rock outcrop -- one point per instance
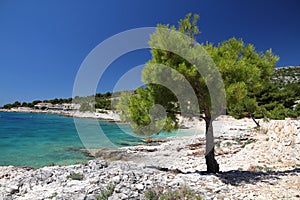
(284, 137)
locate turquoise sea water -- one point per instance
(30, 139)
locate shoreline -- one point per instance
(110, 116)
(246, 158)
(74, 114)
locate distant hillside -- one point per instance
(285, 75)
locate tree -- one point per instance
(86, 107)
(24, 104)
(297, 110)
(242, 69)
(8, 106)
(16, 104)
(246, 74)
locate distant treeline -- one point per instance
(88, 103)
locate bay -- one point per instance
(32, 139)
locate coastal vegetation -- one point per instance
(75, 176)
(183, 192)
(246, 75)
(88, 103)
(107, 192)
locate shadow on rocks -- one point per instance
(236, 178)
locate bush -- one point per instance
(297, 110)
(184, 192)
(75, 176)
(8, 106)
(84, 107)
(53, 195)
(279, 112)
(107, 192)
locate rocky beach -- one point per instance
(255, 164)
(107, 115)
(150, 100)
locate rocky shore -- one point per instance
(255, 164)
(107, 115)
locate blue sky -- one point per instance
(43, 43)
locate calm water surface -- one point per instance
(30, 139)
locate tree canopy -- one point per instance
(246, 73)
(188, 78)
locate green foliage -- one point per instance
(86, 107)
(297, 109)
(245, 72)
(53, 195)
(138, 109)
(24, 104)
(82, 162)
(279, 112)
(229, 144)
(184, 192)
(59, 101)
(166, 92)
(101, 101)
(123, 105)
(107, 192)
(31, 105)
(8, 106)
(75, 176)
(279, 97)
(151, 195)
(189, 26)
(14, 105)
(278, 101)
(102, 111)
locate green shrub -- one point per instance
(85, 106)
(297, 110)
(151, 195)
(184, 192)
(279, 112)
(75, 176)
(238, 140)
(53, 195)
(102, 111)
(107, 192)
(83, 162)
(229, 144)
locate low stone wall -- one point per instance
(284, 140)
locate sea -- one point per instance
(36, 140)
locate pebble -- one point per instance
(12, 189)
(139, 186)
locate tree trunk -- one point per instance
(211, 163)
(256, 122)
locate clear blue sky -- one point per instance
(43, 43)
